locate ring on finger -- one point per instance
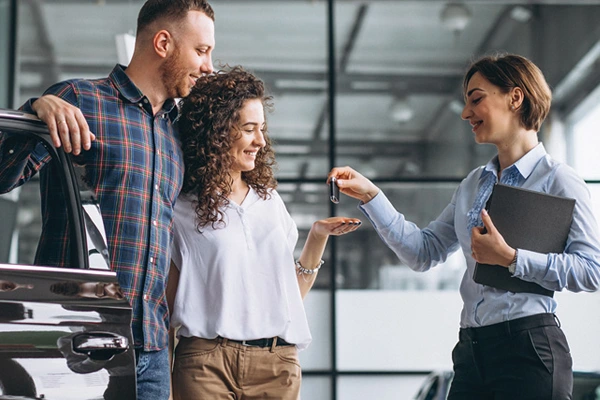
(62, 121)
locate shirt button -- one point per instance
(146, 101)
(146, 297)
(158, 152)
(151, 260)
(11, 151)
(156, 187)
(155, 223)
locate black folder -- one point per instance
(527, 220)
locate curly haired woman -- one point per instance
(235, 291)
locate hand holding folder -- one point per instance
(526, 220)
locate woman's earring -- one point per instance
(512, 107)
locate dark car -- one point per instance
(64, 324)
(586, 386)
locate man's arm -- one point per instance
(66, 123)
(58, 108)
(20, 158)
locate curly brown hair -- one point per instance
(209, 115)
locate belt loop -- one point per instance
(224, 341)
(557, 320)
(273, 344)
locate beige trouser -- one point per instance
(219, 369)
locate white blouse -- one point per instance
(239, 281)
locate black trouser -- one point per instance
(523, 359)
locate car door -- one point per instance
(64, 322)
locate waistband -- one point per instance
(508, 328)
(265, 342)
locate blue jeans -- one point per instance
(153, 374)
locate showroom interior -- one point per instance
(376, 85)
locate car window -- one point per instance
(41, 233)
(35, 233)
(96, 235)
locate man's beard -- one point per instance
(174, 77)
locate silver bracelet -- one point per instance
(300, 270)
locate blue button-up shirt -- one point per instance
(135, 168)
(577, 269)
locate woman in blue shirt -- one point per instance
(510, 344)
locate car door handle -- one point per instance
(100, 345)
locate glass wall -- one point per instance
(7, 61)
(390, 75)
(584, 137)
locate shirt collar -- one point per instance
(131, 92)
(251, 198)
(524, 165)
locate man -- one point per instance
(132, 161)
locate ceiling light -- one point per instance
(521, 14)
(456, 106)
(411, 168)
(401, 110)
(455, 17)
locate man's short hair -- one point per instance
(170, 10)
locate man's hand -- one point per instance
(488, 245)
(65, 122)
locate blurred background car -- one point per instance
(586, 386)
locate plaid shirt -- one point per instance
(135, 168)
